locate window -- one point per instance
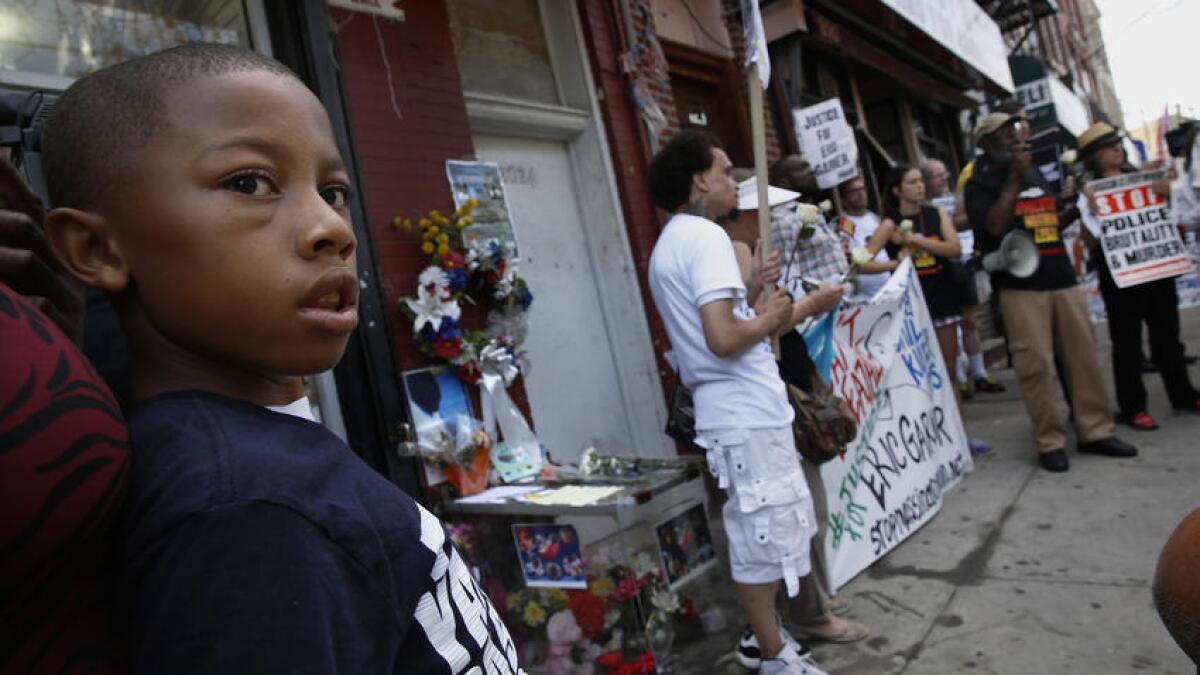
(49, 43)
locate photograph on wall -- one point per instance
(685, 545)
(551, 555)
(437, 400)
(482, 182)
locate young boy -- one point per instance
(201, 187)
(742, 413)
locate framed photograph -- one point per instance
(436, 400)
(551, 556)
(482, 182)
(685, 545)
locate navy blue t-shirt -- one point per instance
(257, 542)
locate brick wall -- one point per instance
(401, 158)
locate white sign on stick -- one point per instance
(1136, 228)
(911, 445)
(827, 142)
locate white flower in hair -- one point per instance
(808, 214)
(826, 206)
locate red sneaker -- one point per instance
(1142, 421)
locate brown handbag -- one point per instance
(823, 425)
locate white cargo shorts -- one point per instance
(769, 517)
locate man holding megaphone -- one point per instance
(1018, 221)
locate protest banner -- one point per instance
(1136, 229)
(911, 445)
(827, 142)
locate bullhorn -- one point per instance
(1018, 256)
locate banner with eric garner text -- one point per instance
(911, 446)
(1136, 229)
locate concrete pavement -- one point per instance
(1023, 571)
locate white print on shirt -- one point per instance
(457, 601)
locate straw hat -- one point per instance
(748, 195)
(1099, 135)
(990, 124)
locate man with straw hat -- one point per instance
(1045, 314)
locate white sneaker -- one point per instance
(748, 652)
(789, 662)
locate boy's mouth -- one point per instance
(331, 303)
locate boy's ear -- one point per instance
(83, 243)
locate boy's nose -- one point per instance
(330, 233)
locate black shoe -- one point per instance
(1055, 460)
(1109, 447)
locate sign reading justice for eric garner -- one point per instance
(827, 142)
(1136, 228)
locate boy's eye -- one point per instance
(337, 196)
(251, 184)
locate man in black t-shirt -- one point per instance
(1045, 314)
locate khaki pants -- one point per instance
(1040, 325)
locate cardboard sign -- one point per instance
(1136, 228)
(827, 142)
(911, 445)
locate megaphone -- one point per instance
(1018, 256)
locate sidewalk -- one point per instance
(1022, 572)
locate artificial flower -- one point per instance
(859, 256)
(644, 564)
(808, 214)
(469, 372)
(453, 260)
(664, 598)
(429, 309)
(601, 586)
(826, 206)
(433, 276)
(534, 615)
(427, 248)
(589, 613)
(442, 248)
(448, 348)
(472, 202)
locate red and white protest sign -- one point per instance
(1136, 228)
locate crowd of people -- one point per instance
(723, 295)
(236, 552)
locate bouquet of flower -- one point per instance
(479, 272)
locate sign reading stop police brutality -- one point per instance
(827, 142)
(911, 446)
(1136, 228)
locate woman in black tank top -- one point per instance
(932, 243)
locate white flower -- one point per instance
(1068, 157)
(808, 213)
(433, 276)
(906, 226)
(644, 563)
(429, 308)
(664, 599)
(859, 256)
(826, 206)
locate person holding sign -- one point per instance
(1045, 313)
(1154, 302)
(913, 228)
(743, 418)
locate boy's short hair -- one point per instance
(669, 177)
(102, 120)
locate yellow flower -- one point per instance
(433, 230)
(443, 248)
(427, 247)
(443, 238)
(558, 595)
(602, 587)
(397, 221)
(434, 215)
(472, 202)
(424, 223)
(534, 614)
(465, 221)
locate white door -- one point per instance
(574, 391)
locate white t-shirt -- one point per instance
(693, 264)
(864, 227)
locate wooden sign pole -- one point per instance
(758, 131)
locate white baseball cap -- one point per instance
(748, 195)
